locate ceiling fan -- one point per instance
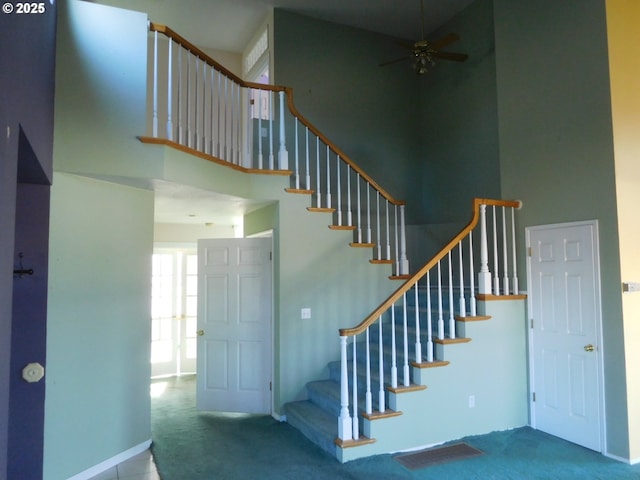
(423, 53)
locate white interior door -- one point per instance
(234, 325)
(565, 355)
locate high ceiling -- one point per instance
(228, 25)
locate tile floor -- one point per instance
(140, 467)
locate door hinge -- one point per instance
(531, 322)
(270, 386)
(530, 251)
(270, 256)
(534, 396)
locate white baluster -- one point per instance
(178, 102)
(225, 122)
(219, 123)
(359, 231)
(344, 420)
(338, 190)
(452, 322)
(307, 170)
(283, 155)
(367, 396)
(196, 103)
(472, 276)
(417, 309)
(155, 85)
(239, 91)
(405, 339)
(271, 119)
(378, 243)
(505, 281)
(169, 91)
(212, 112)
(496, 275)
(397, 248)
(247, 160)
(297, 174)
(188, 102)
(462, 303)
(349, 214)
(381, 394)
(429, 320)
(394, 363)
(318, 193)
(404, 262)
(355, 423)
(513, 247)
(484, 276)
(368, 186)
(440, 312)
(206, 116)
(328, 179)
(260, 155)
(388, 250)
(231, 116)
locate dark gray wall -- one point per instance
(556, 147)
(460, 158)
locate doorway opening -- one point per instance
(174, 306)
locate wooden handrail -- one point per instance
(410, 282)
(156, 27)
(294, 111)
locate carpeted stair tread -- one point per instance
(316, 424)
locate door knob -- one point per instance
(200, 333)
(589, 348)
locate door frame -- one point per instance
(598, 310)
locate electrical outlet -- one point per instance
(305, 313)
(472, 401)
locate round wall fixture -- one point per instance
(33, 372)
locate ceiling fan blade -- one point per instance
(397, 60)
(456, 57)
(444, 41)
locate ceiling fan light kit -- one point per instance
(424, 52)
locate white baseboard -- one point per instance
(112, 462)
(279, 418)
(621, 459)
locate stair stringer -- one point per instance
(491, 367)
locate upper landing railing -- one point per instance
(200, 106)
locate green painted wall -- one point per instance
(314, 267)
(98, 345)
(101, 85)
(556, 147)
(460, 158)
(369, 112)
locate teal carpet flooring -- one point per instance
(191, 445)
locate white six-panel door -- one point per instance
(564, 302)
(234, 325)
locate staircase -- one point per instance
(445, 317)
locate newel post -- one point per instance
(484, 275)
(404, 262)
(283, 155)
(345, 424)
